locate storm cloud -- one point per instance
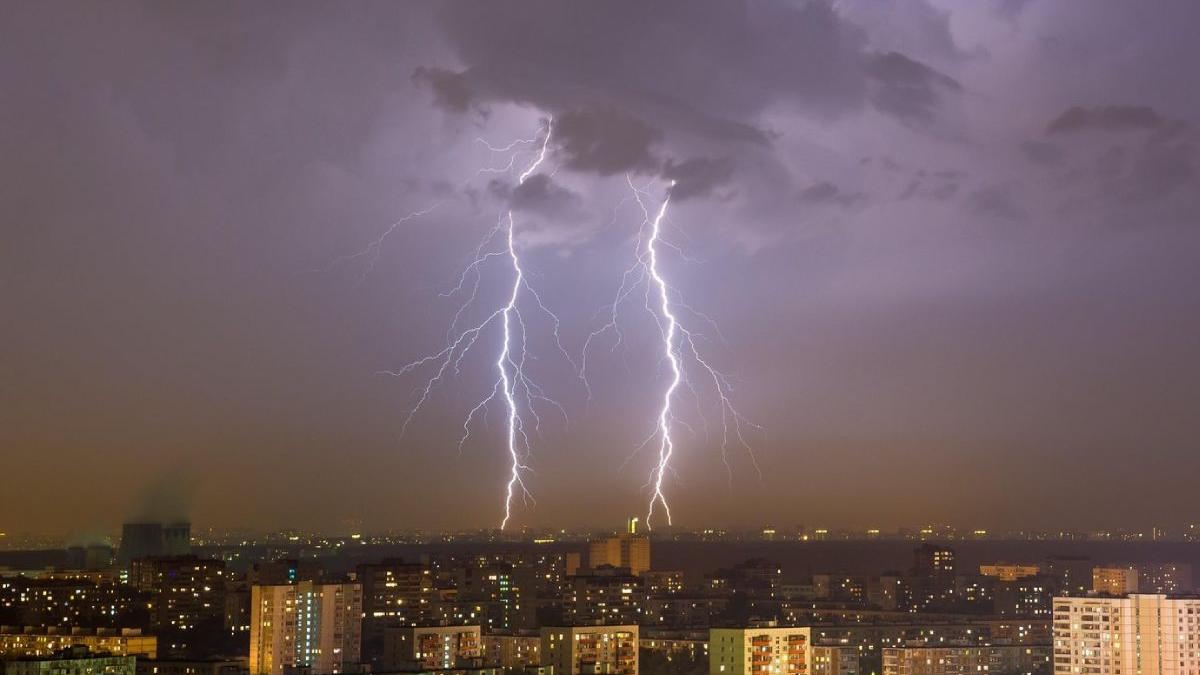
(938, 238)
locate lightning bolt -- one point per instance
(520, 394)
(679, 349)
(669, 327)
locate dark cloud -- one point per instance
(944, 192)
(997, 201)
(1046, 154)
(539, 194)
(172, 171)
(697, 176)
(1107, 118)
(605, 140)
(906, 88)
(1160, 170)
(451, 90)
(825, 192)
(714, 58)
(1112, 162)
(914, 27)
(938, 186)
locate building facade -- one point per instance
(16, 642)
(186, 592)
(591, 650)
(631, 551)
(759, 651)
(1115, 580)
(307, 625)
(431, 647)
(1132, 635)
(73, 661)
(966, 660)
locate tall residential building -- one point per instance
(754, 651)
(1166, 578)
(1023, 597)
(306, 625)
(29, 641)
(966, 660)
(431, 648)
(889, 591)
(1115, 580)
(627, 550)
(284, 571)
(1132, 635)
(1009, 571)
(186, 592)
(933, 577)
(1071, 575)
(499, 588)
(517, 651)
(604, 596)
(395, 594)
(66, 602)
(663, 582)
(591, 650)
(73, 661)
(839, 660)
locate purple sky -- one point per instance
(953, 249)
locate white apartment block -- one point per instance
(591, 650)
(759, 651)
(1131, 635)
(306, 626)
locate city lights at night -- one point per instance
(606, 337)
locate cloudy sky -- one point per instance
(952, 250)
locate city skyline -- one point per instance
(943, 256)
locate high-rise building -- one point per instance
(1070, 575)
(185, 592)
(1115, 580)
(514, 651)
(835, 660)
(31, 641)
(395, 594)
(966, 660)
(888, 591)
(1132, 635)
(933, 577)
(590, 650)
(284, 571)
(629, 550)
(759, 651)
(71, 602)
(604, 596)
(498, 587)
(1009, 571)
(431, 647)
(663, 582)
(307, 625)
(1165, 578)
(72, 661)
(1023, 597)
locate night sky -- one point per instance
(953, 249)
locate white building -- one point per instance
(755, 651)
(310, 626)
(1132, 635)
(591, 650)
